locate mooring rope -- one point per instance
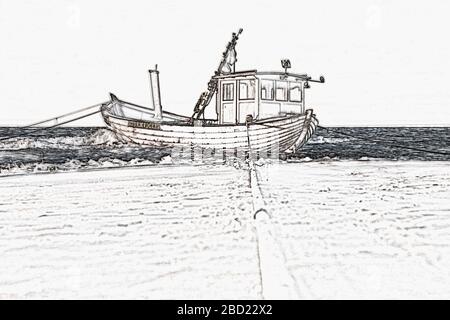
(392, 144)
(276, 280)
(271, 126)
(98, 105)
(65, 115)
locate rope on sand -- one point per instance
(276, 280)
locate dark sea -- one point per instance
(72, 148)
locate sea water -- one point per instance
(67, 148)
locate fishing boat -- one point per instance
(255, 110)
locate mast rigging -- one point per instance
(228, 61)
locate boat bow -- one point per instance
(309, 127)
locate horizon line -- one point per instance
(322, 125)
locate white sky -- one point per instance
(385, 62)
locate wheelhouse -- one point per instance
(260, 94)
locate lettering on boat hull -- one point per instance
(144, 125)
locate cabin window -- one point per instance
(246, 89)
(228, 92)
(282, 91)
(266, 89)
(295, 92)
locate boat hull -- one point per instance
(277, 134)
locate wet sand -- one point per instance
(348, 229)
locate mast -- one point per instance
(228, 61)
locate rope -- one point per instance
(276, 280)
(64, 115)
(389, 144)
(56, 118)
(47, 128)
(269, 126)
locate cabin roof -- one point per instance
(283, 74)
(236, 74)
(258, 73)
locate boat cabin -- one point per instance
(260, 94)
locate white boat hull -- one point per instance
(274, 134)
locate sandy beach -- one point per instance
(364, 229)
(348, 229)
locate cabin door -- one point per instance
(228, 102)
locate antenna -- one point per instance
(286, 64)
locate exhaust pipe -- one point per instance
(155, 92)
